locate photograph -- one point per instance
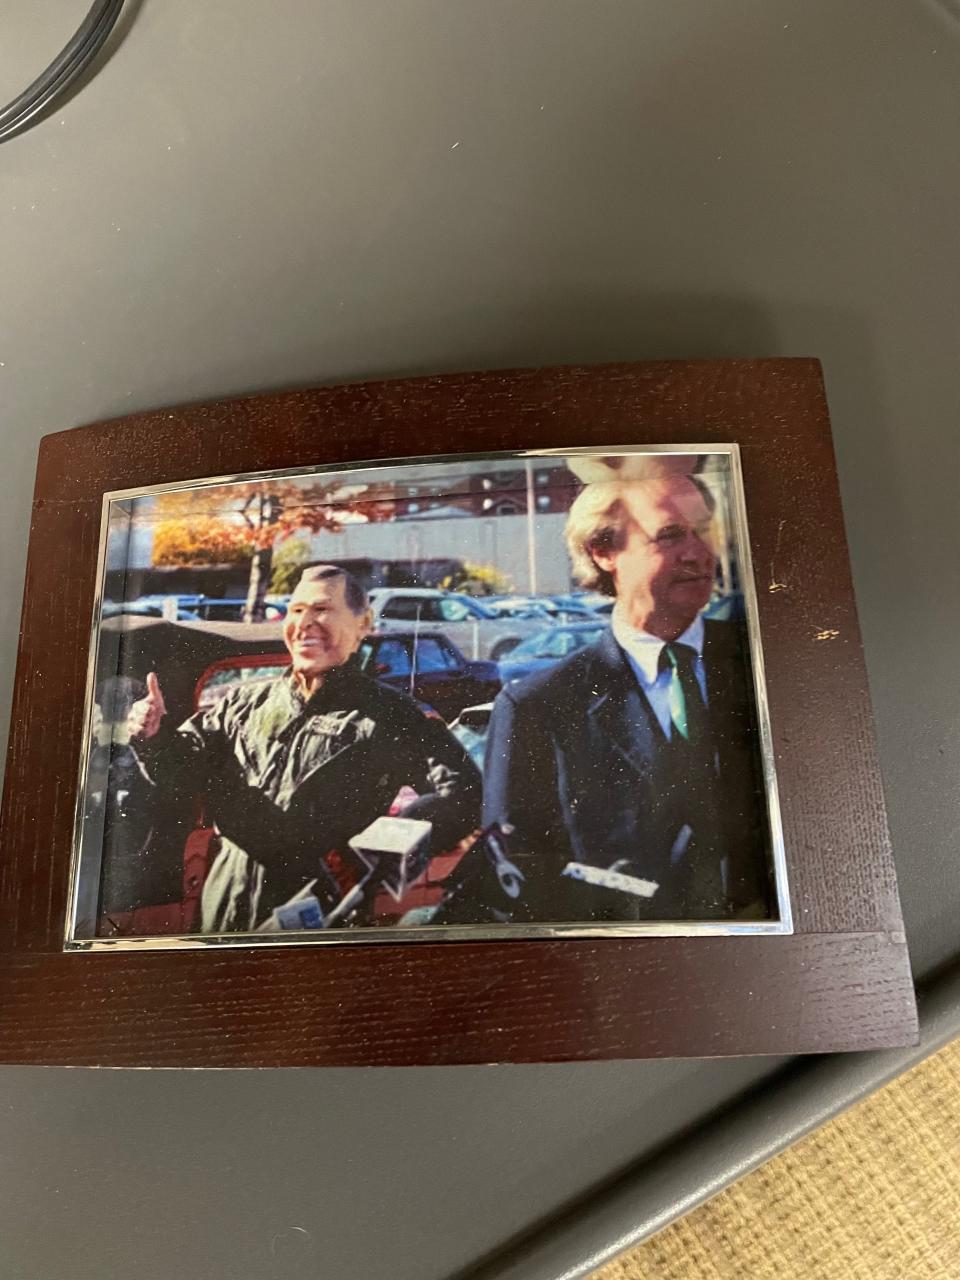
(482, 696)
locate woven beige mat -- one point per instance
(873, 1195)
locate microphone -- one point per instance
(607, 878)
(395, 850)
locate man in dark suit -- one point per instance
(637, 755)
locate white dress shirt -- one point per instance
(643, 653)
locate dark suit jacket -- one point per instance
(573, 765)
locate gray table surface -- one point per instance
(250, 197)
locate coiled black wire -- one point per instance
(70, 63)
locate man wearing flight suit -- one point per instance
(292, 769)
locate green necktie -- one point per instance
(686, 700)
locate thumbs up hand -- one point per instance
(143, 719)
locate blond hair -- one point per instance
(598, 521)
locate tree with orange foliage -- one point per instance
(235, 523)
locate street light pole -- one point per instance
(531, 529)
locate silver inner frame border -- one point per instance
(458, 933)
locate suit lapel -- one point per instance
(724, 663)
(619, 709)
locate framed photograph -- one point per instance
(549, 730)
(500, 696)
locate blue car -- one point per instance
(548, 646)
(143, 609)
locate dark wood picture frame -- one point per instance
(840, 981)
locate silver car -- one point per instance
(475, 630)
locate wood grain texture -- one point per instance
(851, 974)
(421, 1004)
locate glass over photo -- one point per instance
(483, 696)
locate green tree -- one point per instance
(289, 560)
(478, 580)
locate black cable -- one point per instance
(68, 65)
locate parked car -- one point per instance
(547, 647)
(547, 608)
(518, 607)
(143, 609)
(567, 609)
(724, 608)
(429, 666)
(596, 602)
(476, 630)
(202, 608)
(230, 609)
